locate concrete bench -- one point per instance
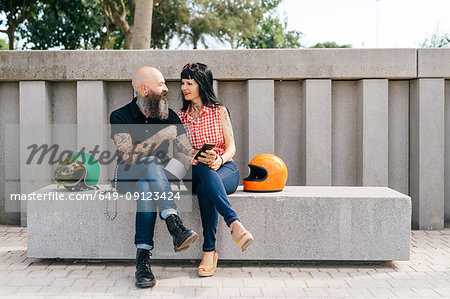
(299, 223)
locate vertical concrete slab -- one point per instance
(373, 123)
(427, 153)
(92, 119)
(216, 88)
(288, 128)
(447, 151)
(344, 130)
(233, 94)
(35, 119)
(316, 156)
(399, 136)
(9, 149)
(261, 119)
(64, 115)
(120, 94)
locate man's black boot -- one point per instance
(182, 237)
(144, 276)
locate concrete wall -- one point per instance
(343, 117)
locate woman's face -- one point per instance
(189, 88)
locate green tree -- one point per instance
(169, 20)
(65, 24)
(17, 11)
(3, 45)
(199, 23)
(437, 40)
(238, 20)
(132, 18)
(168, 17)
(330, 45)
(88, 24)
(272, 33)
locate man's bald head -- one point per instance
(146, 78)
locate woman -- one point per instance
(214, 174)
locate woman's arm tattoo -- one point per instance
(228, 120)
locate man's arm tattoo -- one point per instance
(123, 144)
(131, 153)
(184, 146)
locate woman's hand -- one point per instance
(207, 157)
(216, 164)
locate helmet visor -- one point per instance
(257, 174)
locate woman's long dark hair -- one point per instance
(204, 78)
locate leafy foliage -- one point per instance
(3, 44)
(16, 12)
(272, 33)
(65, 24)
(437, 40)
(169, 16)
(108, 24)
(330, 45)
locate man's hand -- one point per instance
(168, 133)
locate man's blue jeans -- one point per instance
(144, 179)
(212, 188)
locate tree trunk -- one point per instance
(11, 39)
(128, 43)
(142, 24)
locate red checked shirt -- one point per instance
(207, 128)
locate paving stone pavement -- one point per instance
(426, 275)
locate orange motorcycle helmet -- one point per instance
(268, 173)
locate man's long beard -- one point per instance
(154, 105)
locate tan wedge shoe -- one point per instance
(206, 271)
(244, 240)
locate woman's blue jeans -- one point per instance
(144, 179)
(212, 188)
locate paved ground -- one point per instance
(427, 274)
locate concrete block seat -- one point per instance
(299, 223)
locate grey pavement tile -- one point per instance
(254, 283)
(316, 292)
(171, 282)
(294, 292)
(7, 290)
(338, 292)
(338, 283)
(403, 292)
(272, 291)
(185, 291)
(233, 283)
(381, 292)
(212, 282)
(297, 283)
(427, 274)
(250, 292)
(360, 293)
(424, 292)
(25, 291)
(317, 283)
(206, 292)
(445, 291)
(228, 291)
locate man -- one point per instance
(141, 131)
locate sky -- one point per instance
(401, 23)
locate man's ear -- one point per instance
(143, 90)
